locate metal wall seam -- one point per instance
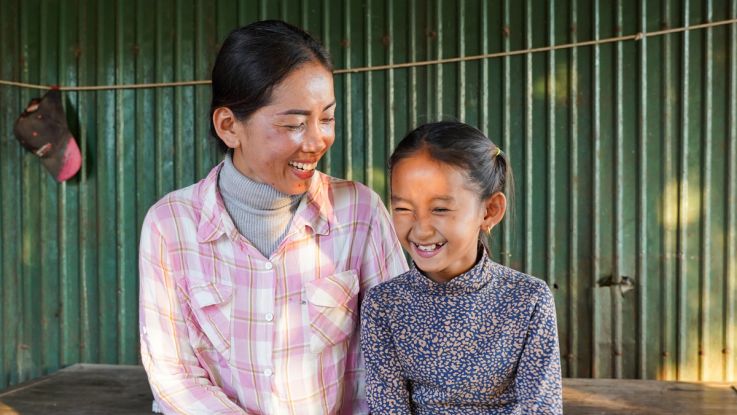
(705, 326)
(528, 138)
(29, 354)
(437, 19)
(681, 270)
(507, 241)
(107, 190)
(550, 230)
(730, 292)
(619, 199)
(461, 85)
(669, 360)
(327, 24)
(390, 131)
(348, 103)
(412, 55)
(3, 293)
(88, 241)
(368, 112)
(596, 154)
(641, 278)
(8, 223)
(571, 349)
(47, 295)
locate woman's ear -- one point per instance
(226, 125)
(496, 206)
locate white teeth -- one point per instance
(303, 166)
(428, 248)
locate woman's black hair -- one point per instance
(466, 148)
(253, 60)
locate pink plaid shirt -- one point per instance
(226, 330)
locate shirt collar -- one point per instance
(470, 281)
(314, 211)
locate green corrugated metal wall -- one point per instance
(625, 158)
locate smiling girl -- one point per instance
(458, 333)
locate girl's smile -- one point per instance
(436, 215)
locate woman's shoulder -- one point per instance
(345, 193)
(348, 187)
(184, 203)
(181, 198)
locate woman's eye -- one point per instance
(298, 127)
(328, 120)
(401, 209)
(441, 210)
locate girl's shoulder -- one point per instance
(512, 282)
(397, 289)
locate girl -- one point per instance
(458, 333)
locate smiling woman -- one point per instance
(291, 133)
(252, 279)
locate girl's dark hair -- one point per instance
(253, 60)
(466, 148)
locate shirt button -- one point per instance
(268, 265)
(269, 316)
(267, 372)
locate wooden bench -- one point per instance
(86, 389)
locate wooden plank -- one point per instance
(82, 389)
(652, 397)
(111, 389)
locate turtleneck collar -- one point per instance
(468, 282)
(236, 186)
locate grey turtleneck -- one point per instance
(260, 212)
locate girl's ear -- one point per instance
(496, 206)
(226, 125)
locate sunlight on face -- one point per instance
(282, 142)
(436, 216)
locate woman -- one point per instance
(251, 279)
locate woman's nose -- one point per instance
(315, 140)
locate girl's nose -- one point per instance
(422, 228)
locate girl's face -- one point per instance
(281, 143)
(437, 216)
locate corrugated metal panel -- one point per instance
(625, 158)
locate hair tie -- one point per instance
(498, 151)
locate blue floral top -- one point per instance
(483, 343)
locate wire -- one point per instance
(635, 37)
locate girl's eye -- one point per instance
(328, 120)
(441, 210)
(401, 209)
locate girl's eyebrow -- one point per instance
(439, 199)
(304, 112)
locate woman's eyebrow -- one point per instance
(304, 112)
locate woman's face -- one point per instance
(281, 143)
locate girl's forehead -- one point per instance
(428, 177)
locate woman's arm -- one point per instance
(382, 259)
(538, 377)
(177, 380)
(386, 386)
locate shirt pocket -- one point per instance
(331, 305)
(211, 304)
